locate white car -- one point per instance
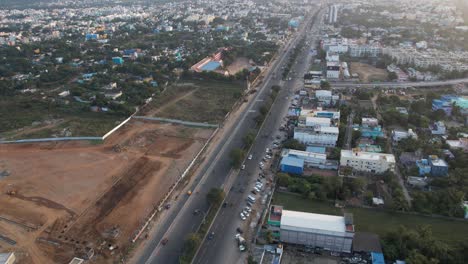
(242, 216)
(248, 209)
(243, 167)
(261, 164)
(250, 157)
(246, 214)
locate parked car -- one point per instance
(211, 236)
(250, 157)
(239, 230)
(242, 216)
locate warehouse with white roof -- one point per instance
(328, 232)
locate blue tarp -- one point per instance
(377, 258)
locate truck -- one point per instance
(241, 242)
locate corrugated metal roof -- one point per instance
(312, 221)
(292, 161)
(4, 257)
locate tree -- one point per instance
(294, 144)
(283, 179)
(392, 76)
(191, 244)
(215, 196)
(324, 85)
(249, 139)
(237, 156)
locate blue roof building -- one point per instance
(91, 36)
(292, 165)
(370, 132)
(117, 60)
(442, 105)
(423, 166)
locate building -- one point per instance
(369, 121)
(367, 161)
(446, 106)
(438, 128)
(326, 97)
(423, 167)
(333, 70)
(333, 14)
(317, 121)
(319, 136)
(433, 165)
(329, 232)
(417, 182)
(438, 166)
(292, 165)
(399, 135)
(117, 60)
(311, 159)
(370, 132)
(7, 258)
(373, 50)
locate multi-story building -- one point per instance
(317, 121)
(311, 159)
(373, 50)
(320, 136)
(333, 70)
(399, 135)
(367, 161)
(329, 232)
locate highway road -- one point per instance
(180, 220)
(341, 85)
(222, 248)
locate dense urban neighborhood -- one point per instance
(244, 131)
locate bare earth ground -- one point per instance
(63, 199)
(368, 73)
(238, 65)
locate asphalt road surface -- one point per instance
(180, 220)
(222, 248)
(339, 85)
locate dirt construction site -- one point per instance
(79, 199)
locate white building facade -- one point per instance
(367, 161)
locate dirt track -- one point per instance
(82, 196)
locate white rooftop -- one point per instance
(318, 120)
(303, 154)
(367, 155)
(303, 220)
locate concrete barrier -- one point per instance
(37, 140)
(176, 121)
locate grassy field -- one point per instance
(198, 101)
(19, 115)
(380, 222)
